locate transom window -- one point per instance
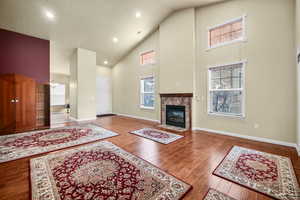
(147, 92)
(226, 90)
(147, 58)
(227, 33)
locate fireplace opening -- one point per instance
(175, 115)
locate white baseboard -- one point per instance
(83, 119)
(104, 114)
(137, 117)
(259, 139)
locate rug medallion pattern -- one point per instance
(101, 171)
(30, 143)
(267, 173)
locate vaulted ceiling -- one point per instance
(89, 24)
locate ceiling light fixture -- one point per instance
(49, 14)
(115, 40)
(138, 14)
(105, 62)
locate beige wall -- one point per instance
(126, 81)
(270, 72)
(83, 84)
(298, 67)
(176, 43)
(173, 73)
(298, 22)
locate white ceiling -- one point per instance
(89, 24)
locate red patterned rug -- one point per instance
(101, 171)
(213, 194)
(160, 136)
(266, 173)
(22, 145)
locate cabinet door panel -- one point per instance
(7, 105)
(25, 103)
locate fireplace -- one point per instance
(176, 111)
(175, 115)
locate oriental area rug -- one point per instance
(101, 171)
(157, 135)
(213, 194)
(22, 145)
(266, 173)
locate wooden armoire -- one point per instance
(18, 103)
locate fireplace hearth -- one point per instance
(175, 115)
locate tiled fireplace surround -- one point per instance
(178, 99)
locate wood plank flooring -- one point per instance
(191, 159)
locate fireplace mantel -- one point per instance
(176, 94)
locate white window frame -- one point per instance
(242, 39)
(148, 51)
(142, 92)
(243, 89)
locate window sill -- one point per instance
(148, 64)
(227, 43)
(147, 108)
(227, 115)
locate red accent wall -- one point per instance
(25, 55)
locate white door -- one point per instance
(104, 95)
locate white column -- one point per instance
(83, 85)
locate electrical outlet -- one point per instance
(256, 125)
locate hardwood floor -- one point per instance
(191, 159)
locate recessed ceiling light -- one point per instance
(49, 14)
(105, 62)
(138, 14)
(115, 40)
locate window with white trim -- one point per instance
(226, 90)
(227, 33)
(147, 92)
(147, 58)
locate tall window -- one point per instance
(58, 93)
(226, 90)
(227, 33)
(147, 93)
(147, 58)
